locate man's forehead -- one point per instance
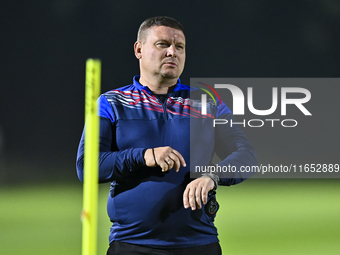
(164, 32)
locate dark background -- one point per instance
(44, 46)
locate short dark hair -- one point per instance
(158, 21)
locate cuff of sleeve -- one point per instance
(143, 154)
(136, 158)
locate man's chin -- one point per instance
(167, 76)
(170, 75)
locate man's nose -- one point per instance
(171, 51)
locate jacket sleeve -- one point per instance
(114, 164)
(233, 147)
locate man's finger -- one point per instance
(170, 163)
(186, 198)
(204, 194)
(198, 197)
(177, 163)
(180, 157)
(164, 166)
(192, 198)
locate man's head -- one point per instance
(157, 21)
(160, 48)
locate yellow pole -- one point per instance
(90, 188)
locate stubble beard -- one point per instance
(169, 74)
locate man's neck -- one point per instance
(161, 86)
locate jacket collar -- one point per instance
(140, 86)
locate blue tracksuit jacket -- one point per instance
(145, 205)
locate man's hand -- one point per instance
(165, 157)
(196, 190)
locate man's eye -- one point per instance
(162, 44)
(179, 47)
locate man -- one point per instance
(154, 205)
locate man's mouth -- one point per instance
(171, 64)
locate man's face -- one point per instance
(162, 52)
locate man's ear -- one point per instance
(138, 49)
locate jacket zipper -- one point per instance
(164, 105)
